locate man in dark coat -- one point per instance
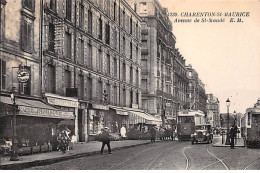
(232, 137)
(153, 134)
(105, 138)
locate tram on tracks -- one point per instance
(186, 121)
(252, 126)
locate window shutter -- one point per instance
(23, 35)
(30, 37)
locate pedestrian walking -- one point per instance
(174, 134)
(232, 137)
(153, 134)
(161, 133)
(123, 132)
(105, 139)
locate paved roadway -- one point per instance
(166, 155)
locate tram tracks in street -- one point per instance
(151, 165)
(186, 157)
(250, 164)
(188, 160)
(120, 165)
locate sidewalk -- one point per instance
(80, 150)
(217, 142)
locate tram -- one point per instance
(186, 121)
(252, 126)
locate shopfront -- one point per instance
(116, 119)
(36, 121)
(66, 104)
(97, 114)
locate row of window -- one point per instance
(68, 40)
(81, 18)
(87, 59)
(111, 99)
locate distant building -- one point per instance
(202, 97)
(213, 106)
(209, 118)
(196, 90)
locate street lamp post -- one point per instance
(235, 124)
(227, 138)
(14, 147)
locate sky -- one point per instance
(225, 55)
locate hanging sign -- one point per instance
(23, 75)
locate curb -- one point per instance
(18, 166)
(216, 145)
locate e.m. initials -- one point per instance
(238, 20)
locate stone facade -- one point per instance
(197, 96)
(19, 46)
(213, 106)
(96, 51)
(164, 81)
(202, 97)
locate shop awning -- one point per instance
(190, 113)
(119, 110)
(37, 108)
(141, 117)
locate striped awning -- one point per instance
(142, 118)
(119, 110)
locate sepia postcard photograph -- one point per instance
(130, 85)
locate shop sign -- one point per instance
(39, 112)
(61, 102)
(23, 75)
(102, 107)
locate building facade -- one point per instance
(20, 61)
(193, 90)
(213, 106)
(181, 81)
(202, 97)
(196, 92)
(164, 82)
(92, 53)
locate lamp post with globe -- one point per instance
(228, 137)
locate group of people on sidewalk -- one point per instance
(64, 138)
